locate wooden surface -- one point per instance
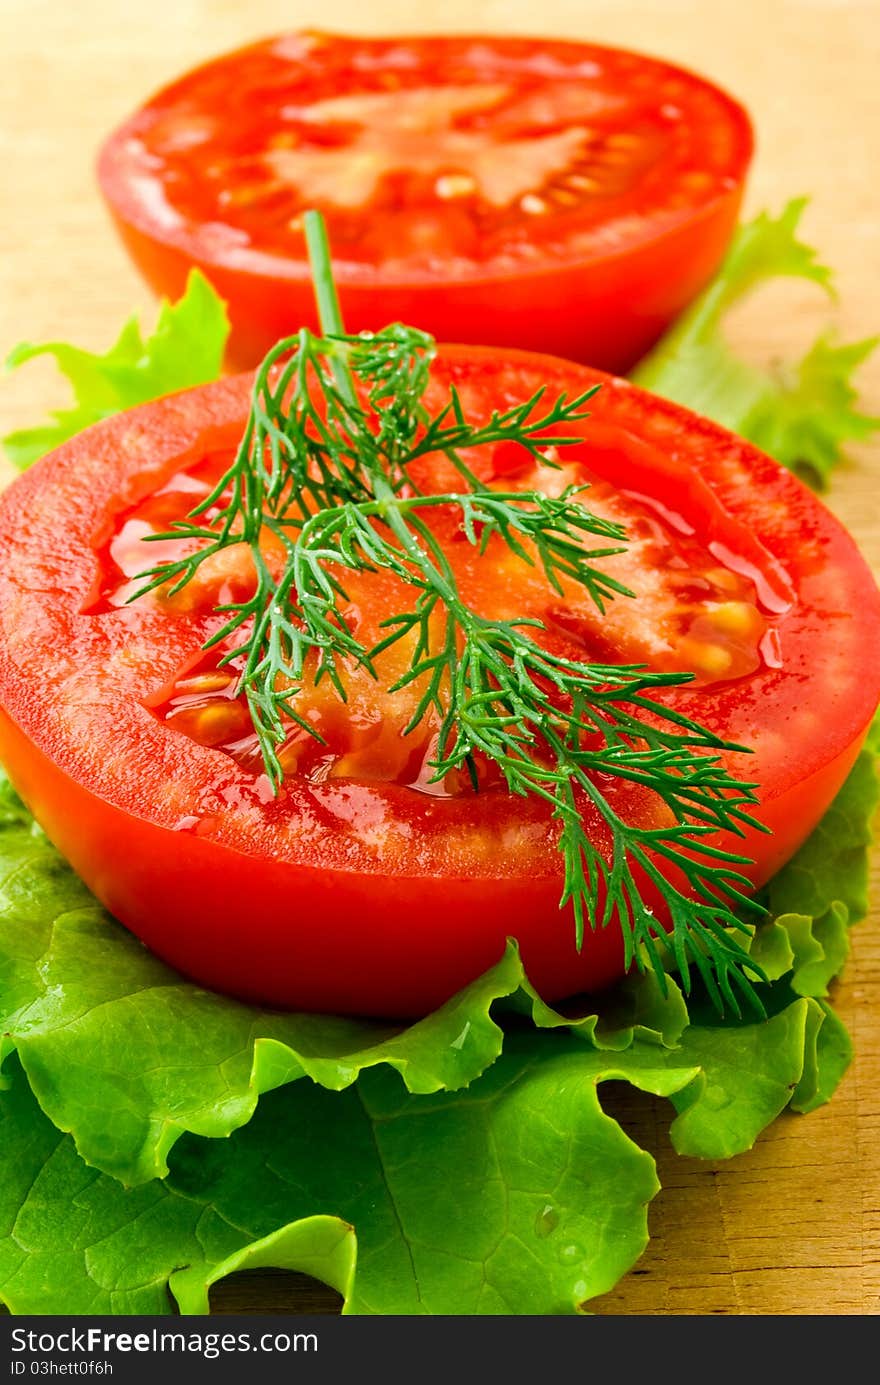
(793, 1227)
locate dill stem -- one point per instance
(327, 299)
(329, 312)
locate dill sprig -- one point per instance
(324, 466)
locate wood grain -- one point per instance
(793, 1227)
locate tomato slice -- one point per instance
(553, 195)
(363, 887)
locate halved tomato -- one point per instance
(364, 887)
(552, 195)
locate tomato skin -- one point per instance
(342, 963)
(606, 312)
(186, 897)
(604, 305)
(267, 904)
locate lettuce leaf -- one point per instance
(520, 1195)
(75, 1241)
(517, 1195)
(474, 1204)
(186, 348)
(802, 413)
(747, 1073)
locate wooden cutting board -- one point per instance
(793, 1227)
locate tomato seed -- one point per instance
(724, 579)
(735, 618)
(213, 724)
(285, 139)
(712, 659)
(204, 682)
(583, 183)
(455, 185)
(250, 194)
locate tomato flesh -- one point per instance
(500, 190)
(694, 614)
(363, 887)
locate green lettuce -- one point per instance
(802, 413)
(76, 1241)
(519, 1195)
(186, 348)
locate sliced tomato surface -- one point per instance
(553, 195)
(364, 886)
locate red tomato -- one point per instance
(361, 888)
(551, 195)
